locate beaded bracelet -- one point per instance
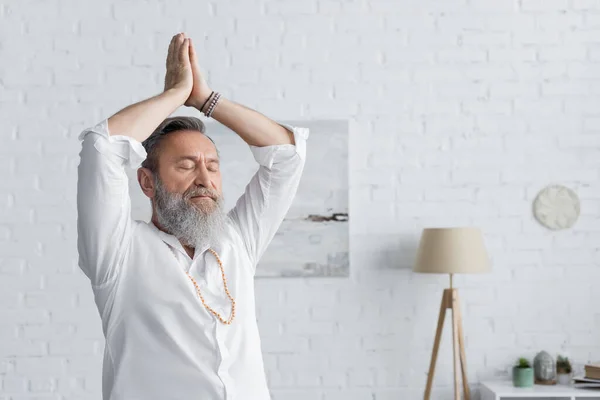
(213, 105)
(217, 99)
(202, 108)
(210, 98)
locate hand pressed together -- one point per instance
(183, 72)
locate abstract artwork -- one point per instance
(313, 238)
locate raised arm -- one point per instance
(280, 152)
(254, 128)
(104, 222)
(140, 119)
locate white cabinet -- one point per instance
(502, 390)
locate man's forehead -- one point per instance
(188, 143)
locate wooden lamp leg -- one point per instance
(461, 346)
(450, 300)
(455, 348)
(436, 345)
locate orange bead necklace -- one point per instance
(216, 314)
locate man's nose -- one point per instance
(203, 177)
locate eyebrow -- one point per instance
(209, 159)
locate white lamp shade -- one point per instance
(452, 251)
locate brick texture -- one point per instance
(464, 110)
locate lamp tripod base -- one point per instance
(450, 301)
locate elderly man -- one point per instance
(176, 294)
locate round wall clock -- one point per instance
(556, 207)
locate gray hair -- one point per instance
(171, 124)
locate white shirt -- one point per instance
(161, 342)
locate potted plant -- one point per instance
(563, 370)
(522, 373)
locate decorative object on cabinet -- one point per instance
(522, 373)
(564, 370)
(544, 369)
(592, 370)
(451, 251)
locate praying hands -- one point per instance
(183, 72)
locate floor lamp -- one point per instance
(451, 251)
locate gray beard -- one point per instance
(195, 224)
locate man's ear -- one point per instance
(146, 181)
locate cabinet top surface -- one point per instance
(506, 388)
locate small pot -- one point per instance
(564, 379)
(522, 377)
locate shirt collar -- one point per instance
(172, 241)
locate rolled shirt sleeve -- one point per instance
(104, 222)
(259, 211)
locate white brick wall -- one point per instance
(465, 109)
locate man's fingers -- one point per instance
(181, 47)
(179, 51)
(170, 51)
(185, 51)
(178, 43)
(172, 55)
(174, 48)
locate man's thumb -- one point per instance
(186, 50)
(192, 52)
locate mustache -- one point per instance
(202, 191)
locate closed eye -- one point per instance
(213, 166)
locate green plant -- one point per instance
(523, 363)
(522, 373)
(563, 365)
